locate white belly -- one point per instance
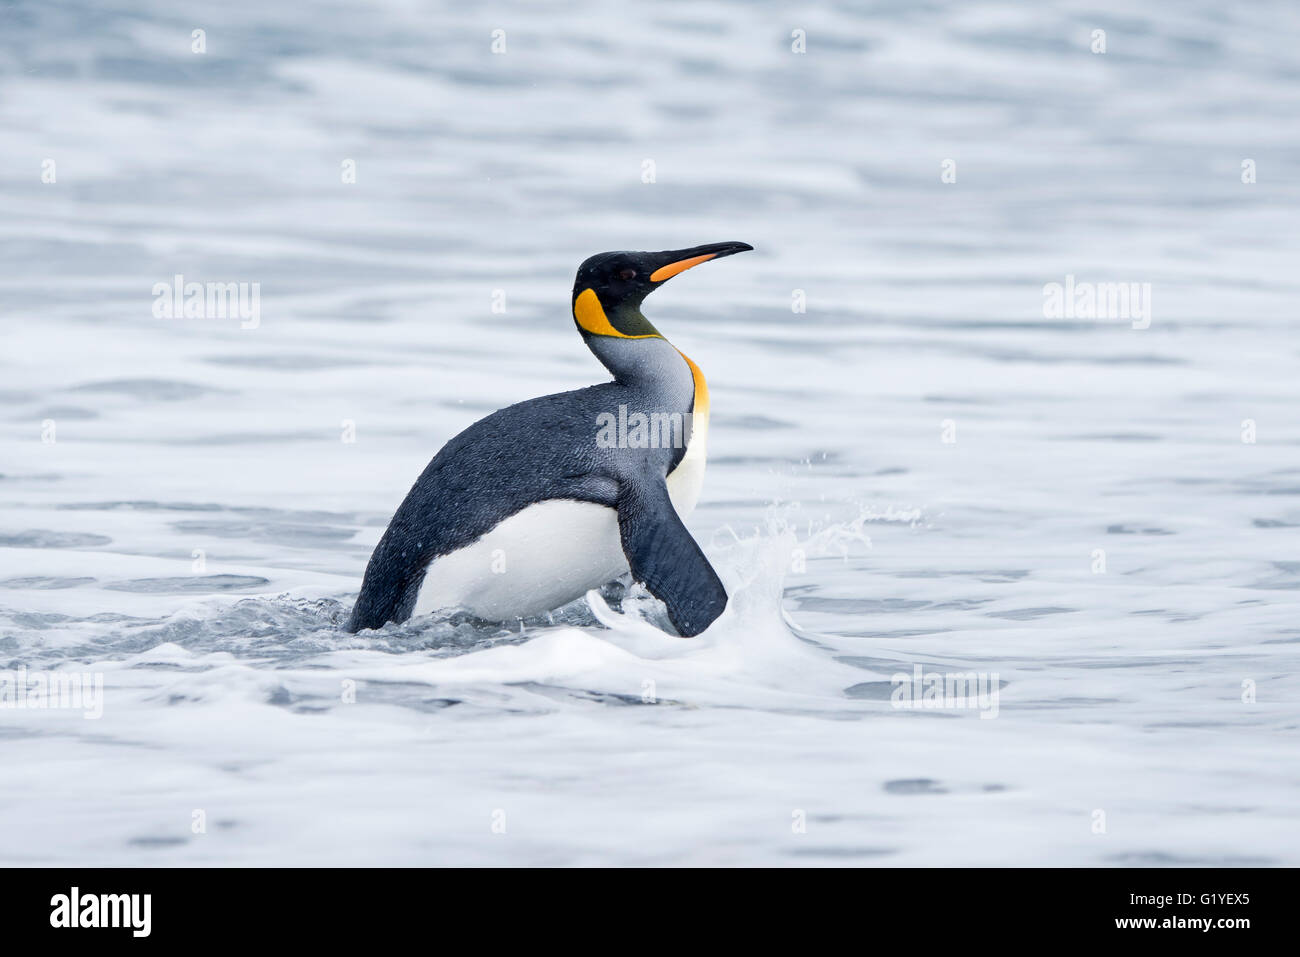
(544, 556)
(532, 562)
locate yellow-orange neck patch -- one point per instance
(701, 405)
(590, 316)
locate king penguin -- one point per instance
(536, 504)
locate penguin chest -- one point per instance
(686, 480)
(544, 556)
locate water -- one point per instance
(197, 528)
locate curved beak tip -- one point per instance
(726, 249)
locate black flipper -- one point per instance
(663, 555)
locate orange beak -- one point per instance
(672, 269)
(683, 259)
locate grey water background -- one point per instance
(180, 514)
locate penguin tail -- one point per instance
(382, 600)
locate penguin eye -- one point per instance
(627, 274)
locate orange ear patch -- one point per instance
(672, 269)
(590, 316)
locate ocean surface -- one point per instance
(915, 468)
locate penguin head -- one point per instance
(610, 287)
